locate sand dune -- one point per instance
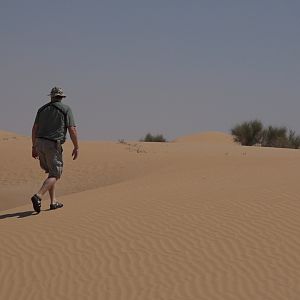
(154, 221)
(207, 137)
(7, 135)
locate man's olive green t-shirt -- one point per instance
(53, 119)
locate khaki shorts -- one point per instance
(50, 156)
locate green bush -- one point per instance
(153, 138)
(294, 140)
(253, 132)
(248, 133)
(275, 137)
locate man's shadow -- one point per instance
(19, 215)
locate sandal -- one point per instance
(36, 203)
(56, 205)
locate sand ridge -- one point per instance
(180, 221)
(211, 137)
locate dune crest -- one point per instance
(214, 137)
(7, 135)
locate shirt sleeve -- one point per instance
(70, 118)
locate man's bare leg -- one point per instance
(47, 185)
(52, 194)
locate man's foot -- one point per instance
(56, 205)
(36, 203)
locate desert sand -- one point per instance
(196, 218)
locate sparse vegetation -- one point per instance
(248, 133)
(275, 137)
(121, 141)
(253, 133)
(153, 138)
(133, 147)
(294, 140)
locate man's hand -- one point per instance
(73, 136)
(34, 153)
(75, 153)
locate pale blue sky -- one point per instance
(171, 67)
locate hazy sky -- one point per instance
(132, 67)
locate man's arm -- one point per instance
(33, 136)
(73, 135)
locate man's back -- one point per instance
(53, 120)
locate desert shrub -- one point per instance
(248, 133)
(293, 140)
(275, 137)
(153, 138)
(253, 132)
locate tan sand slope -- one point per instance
(7, 135)
(196, 223)
(212, 137)
(101, 164)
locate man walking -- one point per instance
(48, 134)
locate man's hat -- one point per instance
(56, 91)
